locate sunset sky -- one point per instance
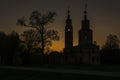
(103, 14)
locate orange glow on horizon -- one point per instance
(58, 45)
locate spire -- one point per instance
(85, 21)
(68, 13)
(68, 10)
(68, 20)
(68, 33)
(85, 12)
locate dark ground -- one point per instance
(10, 74)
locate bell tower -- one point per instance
(68, 33)
(85, 33)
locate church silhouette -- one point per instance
(87, 51)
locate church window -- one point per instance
(68, 30)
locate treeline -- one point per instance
(14, 50)
(9, 47)
(110, 52)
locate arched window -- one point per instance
(68, 30)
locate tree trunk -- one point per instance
(43, 46)
(42, 38)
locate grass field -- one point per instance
(108, 68)
(10, 74)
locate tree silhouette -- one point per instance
(39, 21)
(13, 46)
(29, 39)
(2, 46)
(110, 50)
(32, 38)
(9, 46)
(112, 42)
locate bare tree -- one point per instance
(32, 38)
(112, 42)
(39, 21)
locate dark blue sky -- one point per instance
(104, 16)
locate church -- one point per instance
(87, 51)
